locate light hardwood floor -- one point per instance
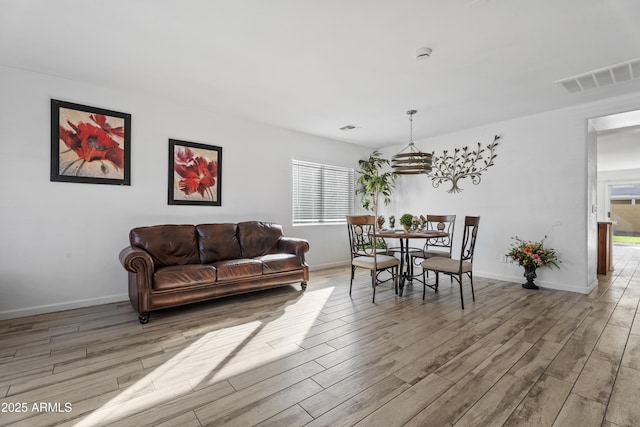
(287, 358)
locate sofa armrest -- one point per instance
(136, 260)
(140, 266)
(292, 245)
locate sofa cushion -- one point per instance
(218, 242)
(167, 244)
(274, 263)
(178, 276)
(258, 238)
(238, 268)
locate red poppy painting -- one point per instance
(89, 144)
(194, 173)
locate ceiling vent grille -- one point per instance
(602, 77)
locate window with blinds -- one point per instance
(322, 194)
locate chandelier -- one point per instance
(413, 161)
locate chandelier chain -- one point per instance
(411, 113)
(414, 161)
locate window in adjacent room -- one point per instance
(322, 194)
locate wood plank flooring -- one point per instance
(289, 358)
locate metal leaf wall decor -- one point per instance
(463, 163)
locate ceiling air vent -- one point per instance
(602, 77)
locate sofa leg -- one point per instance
(303, 286)
(144, 317)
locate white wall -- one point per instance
(543, 183)
(60, 241)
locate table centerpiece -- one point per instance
(406, 221)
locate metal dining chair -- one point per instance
(438, 246)
(455, 268)
(364, 252)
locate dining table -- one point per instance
(406, 268)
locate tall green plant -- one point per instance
(374, 182)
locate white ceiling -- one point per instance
(315, 66)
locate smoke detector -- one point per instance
(423, 53)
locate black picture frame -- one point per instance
(89, 144)
(195, 174)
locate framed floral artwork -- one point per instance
(194, 173)
(89, 144)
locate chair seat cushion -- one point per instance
(430, 253)
(384, 261)
(369, 253)
(446, 265)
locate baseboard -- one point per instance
(541, 283)
(51, 308)
(329, 265)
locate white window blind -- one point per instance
(322, 194)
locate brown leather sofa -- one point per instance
(172, 265)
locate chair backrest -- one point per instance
(469, 238)
(444, 223)
(362, 235)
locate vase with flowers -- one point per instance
(531, 255)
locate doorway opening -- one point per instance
(624, 200)
(618, 178)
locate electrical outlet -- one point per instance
(503, 258)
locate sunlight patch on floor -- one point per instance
(216, 356)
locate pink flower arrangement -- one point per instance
(532, 254)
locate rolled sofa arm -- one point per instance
(140, 266)
(293, 245)
(136, 261)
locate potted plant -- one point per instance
(532, 255)
(406, 220)
(374, 182)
